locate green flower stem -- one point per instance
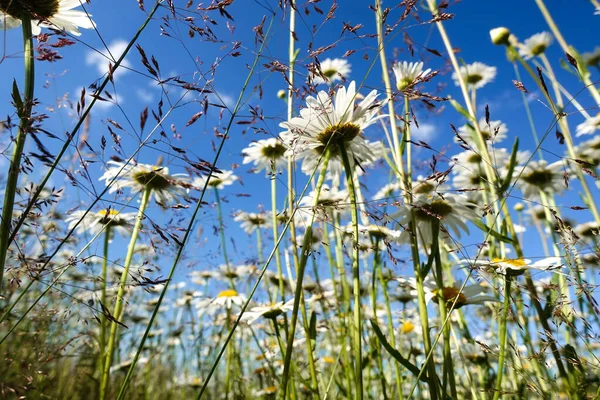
(222, 229)
(357, 325)
(528, 111)
(298, 296)
(24, 113)
(447, 367)
(581, 68)
(119, 304)
(502, 336)
(276, 233)
(103, 320)
(392, 334)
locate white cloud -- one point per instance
(101, 58)
(144, 95)
(424, 132)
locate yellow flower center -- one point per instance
(328, 360)
(451, 294)
(227, 293)
(337, 136)
(273, 152)
(515, 262)
(407, 327)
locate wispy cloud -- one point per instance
(101, 59)
(424, 132)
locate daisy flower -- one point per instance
(540, 176)
(229, 298)
(408, 74)
(266, 154)
(218, 180)
(592, 58)
(166, 189)
(589, 231)
(334, 123)
(333, 70)
(494, 132)
(500, 36)
(535, 45)
(451, 211)
(270, 312)
(471, 294)
(588, 127)
(250, 222)
(475, 75)
(95, 222)
(55, 14)
(516, 266)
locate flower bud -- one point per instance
(500, 36)
(282, 94)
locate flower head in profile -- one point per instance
(516, 266)
(588, 127)
(94, 222)
(266, 154)
(500, 36)
(250, 221)
(55, 14)
(408, 74)
(166, 189)
(475, 75)
(535, 45)
(452, 295)
(333, 70)
(540, 176)
(269, 311)
(589, 151)
(333, 124)
(217, 180)
(228, 298)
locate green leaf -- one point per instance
(492, 232)
(395, 353)
(312, 330)
(460, 109)
(511, 167)
(17, 98)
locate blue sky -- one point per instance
(117, 21)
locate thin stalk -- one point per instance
(15, 163)
(306, 250)
(103, 320)
(276, 233)
(119, 304)
(502, 335)
(221, 228)
(357, 325)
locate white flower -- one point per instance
(335, 123)
(517, 266)
(450, 211)
(218, 179)
(494, 132)
(270, 311)
(475, 75)
(471, 294)
(333, 70)
(535, 45)
(266, 154)
(408, 74)
(229, 298)
(540, 176)
(166, 189)
(588, 127)
(252, 221)
(589, 151)
(597, 12)
(56, 14)
(95, 222)
(500, 35)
